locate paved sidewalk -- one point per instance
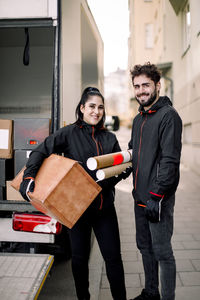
(186, 240)
(186, 245)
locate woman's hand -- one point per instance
(26, 186)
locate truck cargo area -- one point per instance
(26, 90)
(28, 98)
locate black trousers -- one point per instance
(105, 226)
(154, 243)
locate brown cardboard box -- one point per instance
(6, 133)
(12, 194)
(63, 189)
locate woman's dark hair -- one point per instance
(148, 69)
(89, 91)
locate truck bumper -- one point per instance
(7, 234)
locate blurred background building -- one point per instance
(116, 94)
(167, 33)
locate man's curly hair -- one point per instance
(148, 69)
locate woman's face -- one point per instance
(93, 110)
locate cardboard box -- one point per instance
(63, 189)
(12, 194)
(6, 142)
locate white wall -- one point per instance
(70, 58)
(81, 55)
(28, 9)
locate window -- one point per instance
(186, 17)
(149, 36)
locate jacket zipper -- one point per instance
(141, 129)
(101, 204)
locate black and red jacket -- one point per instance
(156, 144)
(78, 143)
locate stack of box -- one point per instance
(27, 135)
(6, 155)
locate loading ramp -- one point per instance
(23, 275)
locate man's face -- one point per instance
(146, 92)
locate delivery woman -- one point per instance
(85, 138)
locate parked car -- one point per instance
(112, 123)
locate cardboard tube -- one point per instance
(112, 171)
(108, 160)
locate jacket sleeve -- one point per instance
(55, 143)
(167, 177)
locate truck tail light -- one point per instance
(35, 223)
(32, 142)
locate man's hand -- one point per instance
(26, 186)
(153, 210)
(125, 174)
(112, 181)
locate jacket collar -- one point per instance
(162, 101)
(91, 128)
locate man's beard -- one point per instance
(150, 100)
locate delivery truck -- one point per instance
(49, 51)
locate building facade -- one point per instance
(167, 33)
(116, 94)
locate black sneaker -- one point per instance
(145, 296)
